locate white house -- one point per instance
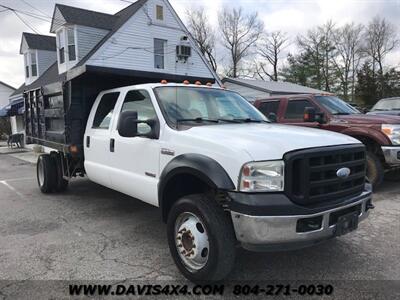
(5, 91)
(93, 51)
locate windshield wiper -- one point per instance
(249, 120)
(197, 120)
(341, 113)
(229, 120)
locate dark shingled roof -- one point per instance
(90, 18)
(40, 42)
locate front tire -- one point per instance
(201, 238)
(46, 173)
(375, 171)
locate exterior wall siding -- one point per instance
(5, 93)
(249, 93)
(132, 46)
(45, 60)
(87, 38)
(58, 20)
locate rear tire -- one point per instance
(375, 171)
(46, 173)
(207, 225)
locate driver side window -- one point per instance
(140, 101)
(295, 109)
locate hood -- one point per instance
(385, 112)
(369, 119)
(266, 141)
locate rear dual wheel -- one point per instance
(49, 174)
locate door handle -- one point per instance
(112, 145)
(87, 141)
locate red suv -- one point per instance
(380, 133)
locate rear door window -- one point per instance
(269, 107)
(105, 110)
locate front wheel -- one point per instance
(375, 171)
(201, 238)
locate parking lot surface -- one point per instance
(94, 233)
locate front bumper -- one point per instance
(392, 155)
(281, 232)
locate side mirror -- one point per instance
(272, 117)
(309, 114)
(128, 126)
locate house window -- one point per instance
(61, 46)
(159, 12)
(33, 64)
(159, 46)
(71, 44)
(26, 65)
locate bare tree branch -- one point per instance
(269, 50)
(239, 33)
(203, 34)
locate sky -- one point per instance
(291, 16)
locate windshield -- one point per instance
(336, 106)
(387, 104)
(205, 106)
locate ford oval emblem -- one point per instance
(343, 172)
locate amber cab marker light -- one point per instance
(186, 82)
(197, 83)
(164, 81)
(209, 84)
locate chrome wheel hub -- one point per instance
(191, 240)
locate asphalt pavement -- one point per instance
(94, 233)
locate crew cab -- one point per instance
(221, 174)
(379, 133)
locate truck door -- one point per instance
(135, 160)
(97, 139)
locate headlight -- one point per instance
(265, 176)
(392, 132)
